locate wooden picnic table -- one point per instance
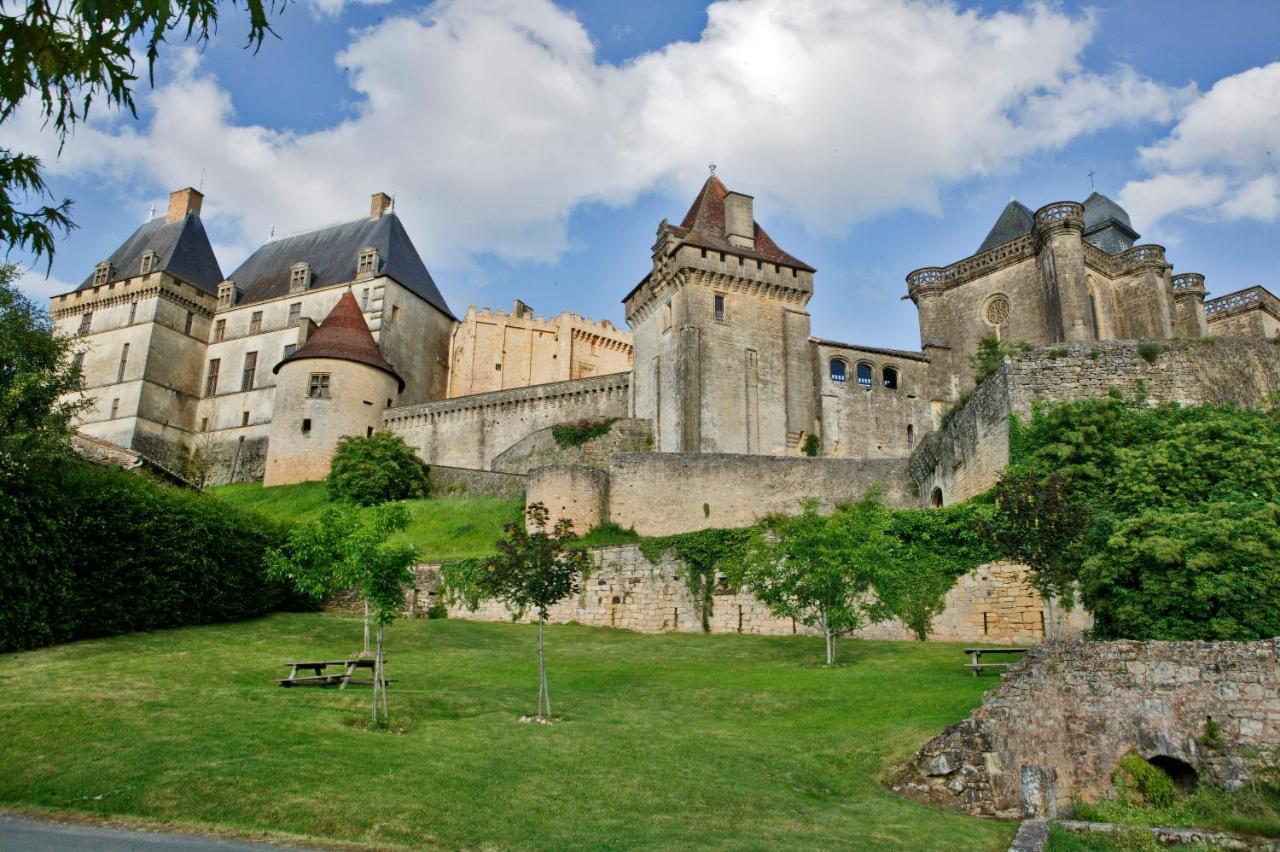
(977, 665)
(321, 678)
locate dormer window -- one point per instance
(367, 261)
(101, 273)
(226, 294)
(299, 277)
(149, 261)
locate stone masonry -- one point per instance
(1065, 715)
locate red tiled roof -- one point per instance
(703, 226)
(345, 336)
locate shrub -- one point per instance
(577, 432)
(1136, 779)
(93, 551)
(991, 354)
(811, 445)
(376, 469)
(1150, 350)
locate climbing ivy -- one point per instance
(575, 433)
(460, 581)
(701, 556)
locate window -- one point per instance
(319, 386)
(395, 312)
(211, 381)
(367, 261)
(115, 407)
(289, 349)
(101, 273)
(77, 362)
(368, 431)
(133, 312)
(864, 374)
(295, 314)
(839, 370)
(149, 259)
(890, 378)
(250, 367)
(219, 330)
(719, 301)
(204, 424)
(124, 360)
(935, 499)
(911, 436)
(86, 320)
(364, 299)
(226, 294)
(666, 316)
(190, 319)
(299, 277)
(244, 418)
(255, 322)
(306, 424)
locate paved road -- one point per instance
(27, 835)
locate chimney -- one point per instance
(306, 327)
(739, 222)
(182, 202)
(381, 204)
(521, 311)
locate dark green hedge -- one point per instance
(87, 551)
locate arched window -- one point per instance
(911, 436)
(864, 374)
(890, 378)
(935, 499)
(839, 370)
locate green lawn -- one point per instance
(672, 741)
(439, 528)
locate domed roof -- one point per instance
(344, 336)
(1098, 209)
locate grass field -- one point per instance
(672, 741)
(440, 528)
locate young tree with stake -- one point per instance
(534, 569)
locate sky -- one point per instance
(533, 147)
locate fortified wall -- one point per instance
(992, 603)
(472, 431)
(966, 456)
(1068, 712)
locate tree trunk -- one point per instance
(382, 679)
(365, 652)
(831, 639)
(544, 694)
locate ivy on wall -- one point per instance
(700, 556)
(575, 433)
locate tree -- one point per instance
(346, 548)
(820, 569)
(64, 56)
(534, 569)
(36, 376)
(1040, 523)
(376, 469)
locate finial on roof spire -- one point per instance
(152, 214)
(712, 167)
(1091, 174)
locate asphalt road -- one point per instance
(28, 835)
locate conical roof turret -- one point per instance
(343, 336)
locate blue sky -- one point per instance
(533, 148)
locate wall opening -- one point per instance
(890, 376)
(1184, 777)
(935, 499)
(839, 370)
(864, 374)
(911, 436)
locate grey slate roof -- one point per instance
(1015, 221)
(331, 253)
(1098, 209)
(1107, 225)
(183, 249)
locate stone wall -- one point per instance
(1063, 718)
(471, 431)
(992, 603)
(666, 493)
(571, 492)
(455, 481)
(626, 435)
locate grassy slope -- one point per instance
(669, 741)
(444, 528)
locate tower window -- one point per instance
(133, 312)
(306, 424)
(364, 299)
(318, 387)
(666, 316)
(295, 314)
(244, 418)
(367, 261)
(149, 260)
(299, 277)
(255, 322)
(204, 424)
(864, 374)
(719, 304)
(839, 370)
(395, 313)
(211, 381)
(250, 367)
(890, 378)
(186, 328)
(911, 436)
(86, 320)
(289, 349)
(124, 361)
(219, 330)
(115, 407)
(101, 273)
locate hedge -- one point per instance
(90, 551)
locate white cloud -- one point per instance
(492, 119)
(1226, 143)
(37, 285)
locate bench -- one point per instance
(319, 678)
(977, 665)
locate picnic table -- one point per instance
(977, 665)
(322, 678)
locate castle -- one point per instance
(341, 330)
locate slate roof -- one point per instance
(1015, 221)
(344, 336)
(331, 253)
(183, 249)
(878, 350)
(703, 226)
(1098, 209)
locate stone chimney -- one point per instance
(182, 202)
(521, 311)
(306, 327)
(739, 221)
(381, 204)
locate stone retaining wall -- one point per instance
(1064, 716)
(446, 481)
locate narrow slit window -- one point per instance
(211, 380)
(191, 318)
(250, 368)
(719, 305)
(124, 362)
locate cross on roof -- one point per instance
(1091, 174)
